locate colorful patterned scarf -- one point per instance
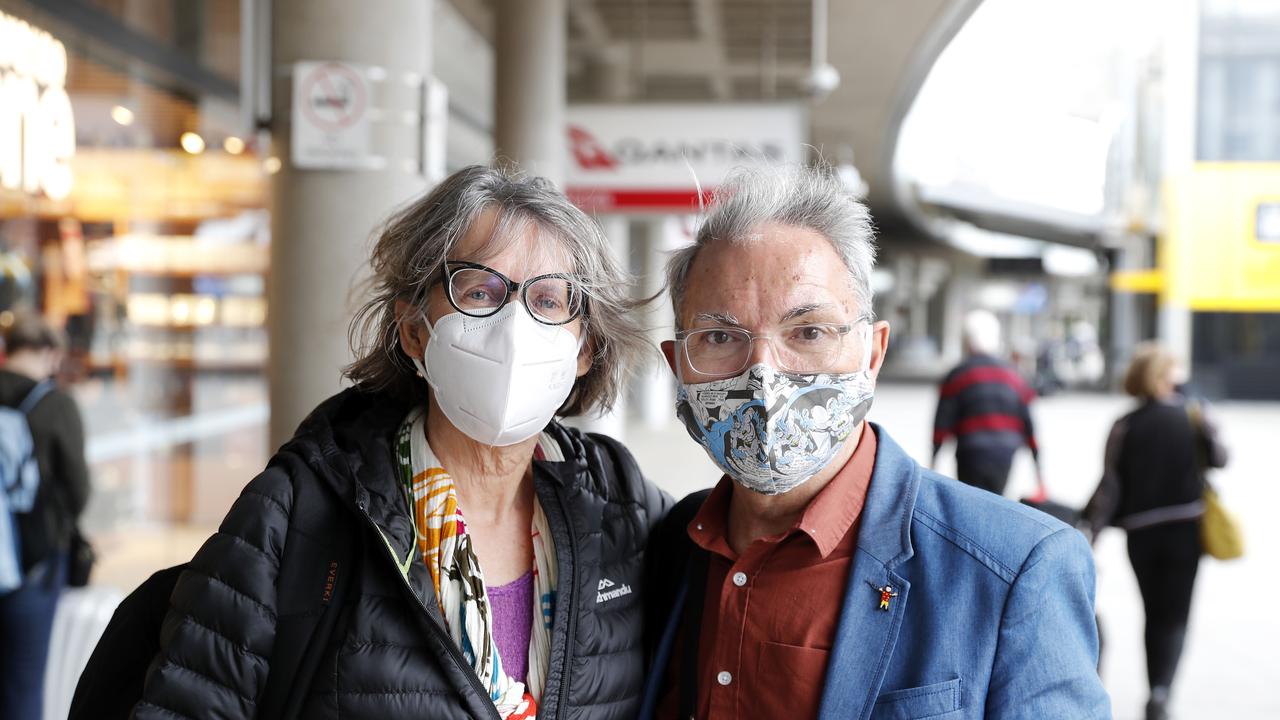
(457, 577)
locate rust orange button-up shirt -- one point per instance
(770, 614)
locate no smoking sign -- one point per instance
(331, 123)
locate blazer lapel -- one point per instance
(864, 640)
(876, 597)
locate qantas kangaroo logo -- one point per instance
(588, 152)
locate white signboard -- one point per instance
(37, 130)
(332, 127)
(646, 157)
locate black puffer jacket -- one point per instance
(391, 656)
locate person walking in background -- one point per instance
(985, 405)
(43, 532)
(1152, 486)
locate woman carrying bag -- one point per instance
(1153, 487)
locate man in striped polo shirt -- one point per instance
(985, 405)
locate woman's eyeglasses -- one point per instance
(480, 291)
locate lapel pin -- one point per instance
(887, 593)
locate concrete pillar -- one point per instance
(529, 88)
(1180, 68)
(656, 388)
(322, 219)
(1125, 329)
(959, 289)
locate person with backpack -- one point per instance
(432, 543)
(46, 487)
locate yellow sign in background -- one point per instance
(1212, 258)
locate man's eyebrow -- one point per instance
(800, 310)
(719, 318)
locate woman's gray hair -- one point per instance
(414, 243)
(795, 195)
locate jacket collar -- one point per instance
(891, 499)
(347, 441)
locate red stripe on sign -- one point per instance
(988, 374)
(598, 200)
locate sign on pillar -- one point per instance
(333, 116)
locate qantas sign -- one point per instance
(627, 158)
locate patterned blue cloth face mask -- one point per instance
(771, 431)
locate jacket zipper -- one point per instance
(572, 629)
(452, 650)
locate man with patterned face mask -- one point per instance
(827, 574)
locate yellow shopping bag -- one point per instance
(1220, 530)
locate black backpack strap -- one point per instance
(317, 570)
(691, 632)
(666, 560)
(670, 560)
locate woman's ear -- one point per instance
(586, 356)
(413, 331)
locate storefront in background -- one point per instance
(133, 215)
(132, 208)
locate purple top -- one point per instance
(512, 606)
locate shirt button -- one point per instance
(724, 678)
(739, 579)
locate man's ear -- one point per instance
(669, 352)
(412, 330)
(879, 346)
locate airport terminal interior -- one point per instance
(189, 191)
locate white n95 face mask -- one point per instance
(500, 379)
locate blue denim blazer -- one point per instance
(993, 616)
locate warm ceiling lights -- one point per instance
(192, 143)
(122, 115)
(233, 145)
(271, 165)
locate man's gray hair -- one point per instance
(805, 197)
(414, 243)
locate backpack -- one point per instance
(19, 481)
(306, 620)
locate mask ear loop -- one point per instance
(420, 363)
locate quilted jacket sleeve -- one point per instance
(1047, 658)
(217, 636)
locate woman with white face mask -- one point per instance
(498, 553)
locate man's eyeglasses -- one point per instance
(806, 349)
(480, 291)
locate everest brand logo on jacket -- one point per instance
(605, 594)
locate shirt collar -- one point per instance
(827, 519)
